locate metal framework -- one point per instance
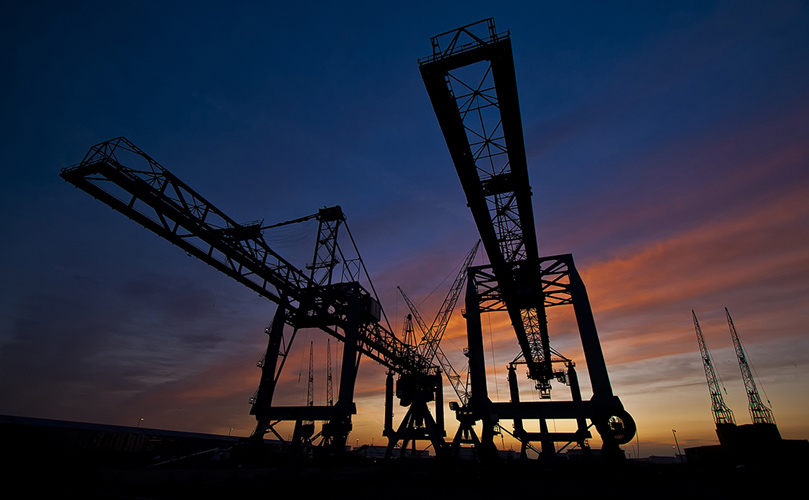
(418, 423)
(429, 346)
(759, 412)
(473, 89)
(471, 82)
(122, 176)
(722, 415)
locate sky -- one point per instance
(668, 151)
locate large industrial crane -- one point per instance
(759, 412)
(471, 82)
(328, 297)
(722, 415)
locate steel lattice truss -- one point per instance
(722, 414)
(759, 412)
(119, 174)
(471, 82)
(429, 347)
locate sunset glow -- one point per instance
(668, 150)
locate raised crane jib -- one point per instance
(722, 414)
(432, 336)
(759, 412)
(119, 174)
(429, 346)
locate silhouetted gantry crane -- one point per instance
(330, 297)
(471, 83)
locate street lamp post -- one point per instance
(679, 453)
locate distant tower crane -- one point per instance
(429, 345)
(760, 412)
(722, 415)
(417, 421)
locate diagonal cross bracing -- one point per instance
(473, 90)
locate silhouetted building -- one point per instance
(749, 444)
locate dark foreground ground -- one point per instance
(55, 459)
(415, 480)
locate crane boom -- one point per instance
(722, 414)
(471, 82)
(461, 389)
(760, 413)
(429, 346)
(158, 200)
(432, 337)
(479, 116)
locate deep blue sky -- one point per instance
(667, 147)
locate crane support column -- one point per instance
(591, 345)
(388, 429)
(337, 429)
(479, 402)
(575, 394)
(266, 386)
(479, 397)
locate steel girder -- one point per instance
(473, 90)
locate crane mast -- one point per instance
(722, 415)
(760, 413)
(418, 423)
(452, 375)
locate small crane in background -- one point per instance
(722, 415)
(760, 413)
